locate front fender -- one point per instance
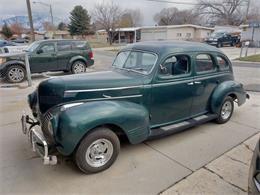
(232, 88)
(4, 66)
(75, 122)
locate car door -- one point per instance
(44, 58)
(171, 93)
(64, 54)
(206, 78)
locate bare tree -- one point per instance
(17, 28)
(222, 11)
(172, 16)
(108, 16)
(131, 18)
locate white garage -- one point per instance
(175, 32)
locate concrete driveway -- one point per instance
(148, 168)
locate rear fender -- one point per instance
(227, 88)
(75, 122)
(75, 58)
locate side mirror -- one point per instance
(39, 51)
(163, 70)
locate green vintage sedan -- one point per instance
(154, 89)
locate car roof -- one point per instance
(172, 47)
(57, 40)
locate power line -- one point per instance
(174, 2)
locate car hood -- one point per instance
(88, 87)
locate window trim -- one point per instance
(207, 71)
(138, 50)
(60, 42)
(41, 45)
(227, 62)
(169, 77)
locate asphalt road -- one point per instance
(147, 168)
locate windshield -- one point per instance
(138, 61)
(33, 46)
(218, 34)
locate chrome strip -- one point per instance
(112, 98)
(102, 89)
(82, 101)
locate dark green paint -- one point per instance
(154, 100)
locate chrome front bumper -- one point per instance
(37, 141)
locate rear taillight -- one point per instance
(91, 56)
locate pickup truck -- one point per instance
(219, 39)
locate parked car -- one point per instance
(154, 89)
(4, 43)
(49, 55)
(254, 172)
(219, 39)
(20, 40)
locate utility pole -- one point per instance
(51, 16)
(30, 19)
(247, 10)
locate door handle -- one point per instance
(190, 83)
(197, 82)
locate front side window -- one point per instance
(204, 63)
(222, 63)
(48, 48)
(138, 61)
(175, 65)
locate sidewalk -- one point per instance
(227, 174)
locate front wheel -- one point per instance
(226, 110)
(97, 151)
(15, 74)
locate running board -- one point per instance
(177, 127)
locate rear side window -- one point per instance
(222, 63)
(79, 45)
(64, 46)
(204, 63)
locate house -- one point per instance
(251, 32)
(175, 32)
(57, 34)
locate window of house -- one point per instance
(178, 34)
(204, 63)
(175, 65)
(188, 35)
(222, 63)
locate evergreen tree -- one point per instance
(6, 31)
(79, 21)
(62, 26)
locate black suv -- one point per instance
(49, 55)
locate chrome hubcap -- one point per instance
(16, 74)
(226, 110)
(99, 153)
(79, 67)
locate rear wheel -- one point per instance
(97, 151)
(15, 74)
(226, 110)
(78, 67)
(219, 45)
